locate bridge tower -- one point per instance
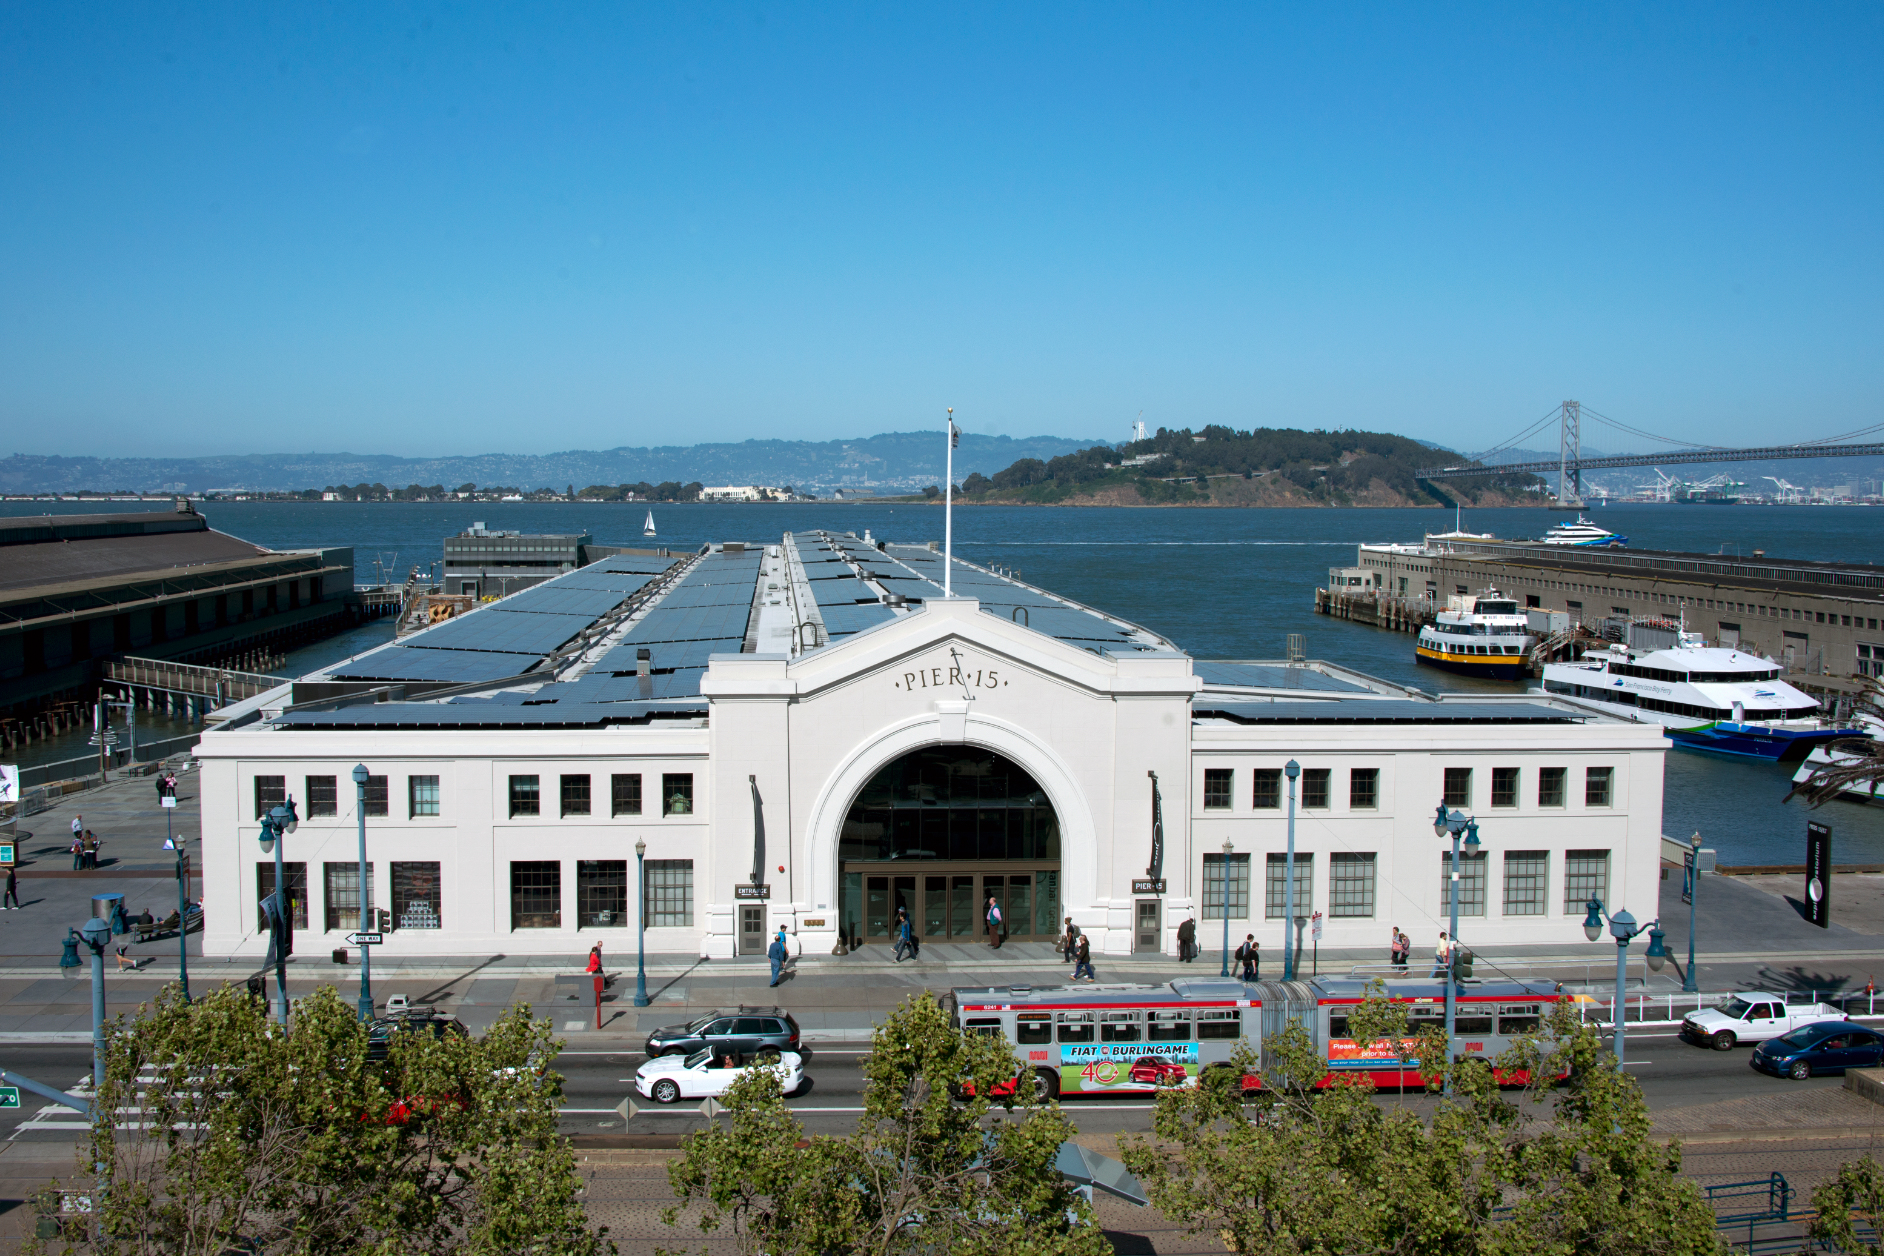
(1570, 457)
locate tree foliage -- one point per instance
(1305, 1167)
(255, 1140)
(923, 1172)
(1856, 763)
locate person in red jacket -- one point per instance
(595, 959)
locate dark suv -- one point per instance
(749, 1031)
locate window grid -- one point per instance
(575, 795)
(1585, 877)
(422, 796)
(670, 893)
(322, 797)
(1458, 787)
(297, 892)
(1504, 787)
(1315, 788)
(1214, 887)
(524, 797)
(1596, 786)
(624, 793)
(1267, 793)
(1218, 785)
(536, 893)
(676, 793)
(601, 893)
(340, 898)
(1471, 884)
(270, 792)
(418, 902)
(1276, 884)
(1527, 882)
(376, 796)
(1364, 790)
(1550, 786)
(1351, 884)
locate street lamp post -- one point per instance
(1229, 848)
(1622, 927)
(641, 926)
(1690, 980)
(276, 825)
(168, 801)
(360, 778)
(1291, 769)
(1453, 823)
(96, 935)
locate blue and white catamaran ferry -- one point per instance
(1706, 697)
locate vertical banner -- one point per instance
(1818, 886)
(1155, 869)
(1687, 876)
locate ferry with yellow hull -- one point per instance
(1484, 635)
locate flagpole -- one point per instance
(948, 513)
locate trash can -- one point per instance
(110, 908)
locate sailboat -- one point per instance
(647, 529)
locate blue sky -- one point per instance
(431, 229)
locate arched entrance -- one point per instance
(937, 832)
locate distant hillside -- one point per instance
(893, 461)
(1222, 467)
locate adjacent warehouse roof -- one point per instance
(1383, 712)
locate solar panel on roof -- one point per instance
(843, 620)
(484, 714)
(706, 595)
(1257, 675)
(515, 632)
(463, 667)
(556, 600)
(667, 653)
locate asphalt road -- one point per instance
(1673, 1075)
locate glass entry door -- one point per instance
(950, 903)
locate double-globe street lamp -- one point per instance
(1690, 980)
(1291, 769)
(1229, 848)
(1454, 823)
(360, 778)
(641, 926)
(276, 825)
(1622, 927)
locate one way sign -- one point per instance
(365, 939)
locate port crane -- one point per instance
(1786, 494)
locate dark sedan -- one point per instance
(1824, 1047)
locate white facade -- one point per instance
(734, 493)
(788, 743)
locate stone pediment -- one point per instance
(915, 651)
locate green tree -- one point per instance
(1310, 1163)
(1848, 1210)
(924, 1171)
(257, 1140)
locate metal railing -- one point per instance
(219, 683)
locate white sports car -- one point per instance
(671, 1078)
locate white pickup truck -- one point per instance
(1752, 1016)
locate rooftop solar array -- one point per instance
(486, 715)
(462, 667)
(1383, 712)
(1265, 676)
(510, 632)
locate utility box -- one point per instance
(1546, 623)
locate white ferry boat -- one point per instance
(1482, 635)
(1706, 697)
(1582, 532)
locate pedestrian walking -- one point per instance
(1442, 955)
(994, 923)
(12, 899)
(1249, 956)
(595, 959)
(162, 781)
(91, 846)
(1397, 948)
(1084, 964)
(1069, 941)
(904, 940)
(777, 954)
(78, 851)
(1187, 941)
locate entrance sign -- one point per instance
(752, 891)
(1818, 886)
(1148, 885)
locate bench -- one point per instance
(162, 929)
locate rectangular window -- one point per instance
(1218, 783)
(601, 892)
(1458, 787)
(1504, 787)
(1363, 789)
(670, 893)
(624, 794)
(417, 901)
(1527, 881)
(1219, 1023)
(1268, 791)
(1550, 786)
(1168, 1026)
(1596, 782)
(421, 796)
(1315, 788)
(376, 796)
(270, 792)
(1351, 884)
(536, 892)
(1214, 887)
(1032, 1029)
(523, 796)
(322, 797)
(575, 795)
(1471, 884)
(1276, 886)
(677, 793)
(1585, 876)
(340, 900)
(1075, 1026)
(297, 892)
(1120, 1027)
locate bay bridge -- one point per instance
(1570, 463)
